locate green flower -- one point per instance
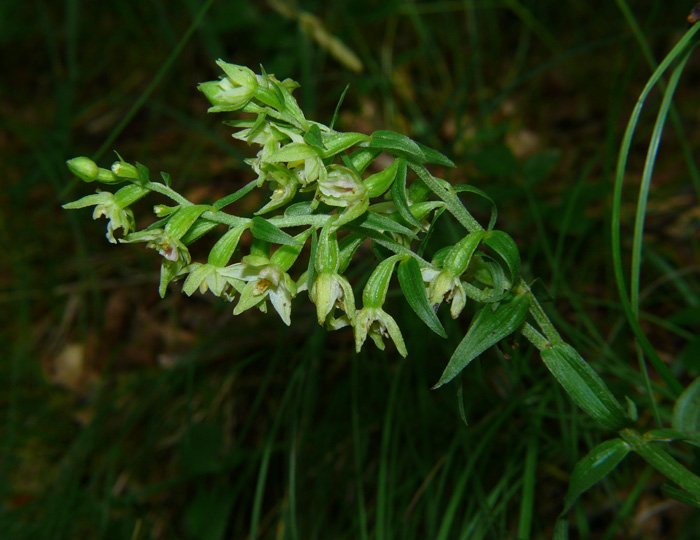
(264, 280)
(378, 324)
(106, 205)
(208, 277)
(330, 291)
(170, 248)
(443, 285)
(234, 91)
(344, 188)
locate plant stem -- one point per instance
(661, 461)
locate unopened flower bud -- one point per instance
(122, 169)
(84, 168)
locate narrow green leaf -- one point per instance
(313, 138)
(670, 435)
(686, 411)
(264, 230)
(336, 142)
(674, 492)
(293, 152)
(397, 144)
(488, 328)
(597, 464)
(229, 199)
(446, 193)
(398, 194)
(222, 251)
(370, 220)
(435, 157)
(311, 270)
(507, 251)
(337, 107)
(377, 184)
(181, 221)
(303, 208)
(413, 289)
(348, 246)
(200, 228)
(362, 157)
(462, 188)
(584, 385)
(129, 195)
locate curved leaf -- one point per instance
(599, 462)
(397, 144)
(488, 328)
(507, 251)
(398, 194)
(686, 411)
(264, 230)
(584, 385)
(413, 289)
(471, 189)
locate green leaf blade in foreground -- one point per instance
(413, 289)
(435, 157)
(507, 250)
(397, 144)
(262, 229)
(398, 194)
(584, 386)
(597, 464)
(686, 411)
(488, 328)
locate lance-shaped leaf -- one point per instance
(471, 189)
(264, 230)
(506, 250)
(378, 183)
(674, 492)
(183, 219)
(413, 289)
(335, 142)
(488, 328)
(376, 222)
(599, 462)
(435, 157)
(398, 194)
(225, 246)
(686, 411)
(584, 386)
(397, 144)
(313, 138)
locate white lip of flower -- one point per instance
(119, 218)
(444, 286)
(263, 281)
(105, 205)
(341, 190)
(377, 323)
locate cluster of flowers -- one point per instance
(298, 156)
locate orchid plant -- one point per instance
(321, 189)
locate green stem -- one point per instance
(541, 318)
(534, 337)
(662, 461)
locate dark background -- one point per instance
(128, 416)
